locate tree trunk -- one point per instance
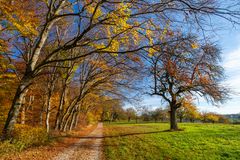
(173, 119)
(76, 121)
(60, 109)
(41, 118)
(67, 113)
(181, 119)
(48, 108)
(73, 119)
(23, 115)
(23, 111)
(15, 108)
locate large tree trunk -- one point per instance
(173, 119)
(15, 108)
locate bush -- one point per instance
(23, 137)
(6, 147)
(26, 136)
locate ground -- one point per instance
(67, 146)
(146, 141)
(152, 141)
(87, 148)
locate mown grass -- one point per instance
(152, 141)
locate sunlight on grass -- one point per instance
(151, 141)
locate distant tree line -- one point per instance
(187, 113)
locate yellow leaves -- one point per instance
(20, 16)
(149, 36)
(94, 10)
(194, 45)
(119, 18)
(151, 52)
(114, 46)
(8, 76)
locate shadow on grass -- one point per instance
(120, 135)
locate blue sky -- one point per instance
(229, 40)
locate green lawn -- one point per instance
(152, 141)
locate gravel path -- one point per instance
(87, 148)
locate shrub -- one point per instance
(26, 136)
(6, 147)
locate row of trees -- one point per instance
(188, 112)
(60, 58)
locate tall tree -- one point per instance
(184, 68)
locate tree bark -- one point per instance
(23, 111)
(60, 109)
(48, 108)
(73, 119)
(76, 121)
(15, 108)
(23, 115)
(173, 119)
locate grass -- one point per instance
(151, 141)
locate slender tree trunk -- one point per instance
(23, 115)
(41, 118)
(181, 119)
(60, 109)
(73, 119)
(15, 108)
(67, 114)
(76, 121)
(48, 108)
(173, 119)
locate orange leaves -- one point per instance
(171, 68)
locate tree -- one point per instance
(184, 67)
(210, 117)
(90, 27)
(131, 113)
(187, 111)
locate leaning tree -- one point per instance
(184, 68)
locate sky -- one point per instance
(229, 41)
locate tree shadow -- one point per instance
(119, 135)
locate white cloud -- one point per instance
(231, 64)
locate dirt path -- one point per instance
(87, 148)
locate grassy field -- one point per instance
(152, 141)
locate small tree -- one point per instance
(184, 67)
(131, 113)
(187, 111)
